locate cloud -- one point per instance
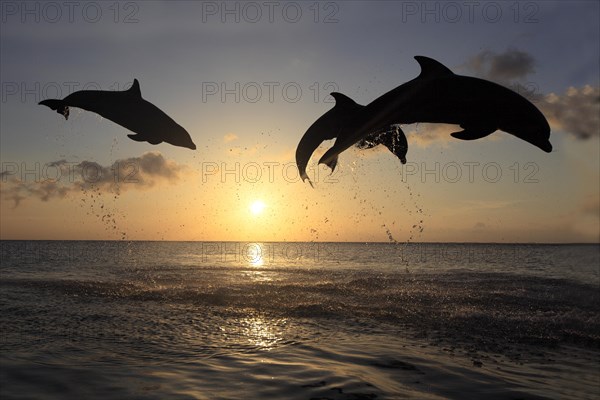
(59, 179)
(576, 112)
(507, 66)
(425, 134)
(230, 137)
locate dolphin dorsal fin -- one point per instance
(342, 100)
(431, 68)
(135, 89)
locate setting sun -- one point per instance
(257, 207)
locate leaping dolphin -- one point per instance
(437, 95)
(128, 109)
(330, 124)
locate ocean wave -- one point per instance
(470, 307)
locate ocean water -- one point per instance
(198, 320)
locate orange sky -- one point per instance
(496, 189)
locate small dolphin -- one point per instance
(437, 95)
(330, 124)
(128, 109)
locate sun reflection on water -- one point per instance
(257, 262)
(254, 257)
(262, 333)
(254, 254)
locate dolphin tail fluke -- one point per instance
(57, 105)
(393, 138)
(399, 144)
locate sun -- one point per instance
(257, 207)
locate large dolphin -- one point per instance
(437, 95)
(128, 109)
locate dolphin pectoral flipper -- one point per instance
(154, 141)
(473, 133)
(137, 137)
(140, 138)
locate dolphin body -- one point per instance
(437, 95)
(128, 109)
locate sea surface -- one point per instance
(230, 320)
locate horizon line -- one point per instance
(295, 241)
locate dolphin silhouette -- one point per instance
(128, 109)
(330, 124)
(437, 95)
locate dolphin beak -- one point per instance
(547, 146)
(305, 177)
